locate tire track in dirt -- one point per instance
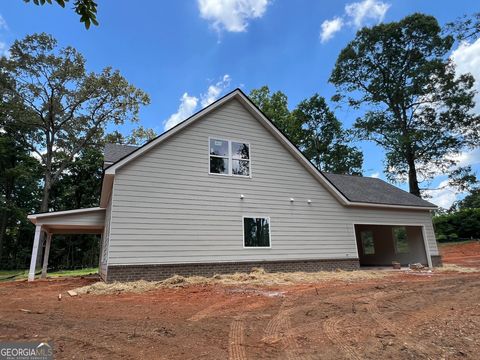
(331, 326)
(236, 349)
(215, 308)
(382, 320)
(280, 329)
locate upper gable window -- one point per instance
(229, 157)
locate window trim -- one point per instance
(269, 232)
(230, 157)
(363, 243)
(395, 247)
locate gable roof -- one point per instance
(237, 94)
(373, 191)
(114, 152)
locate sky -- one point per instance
(186, 54)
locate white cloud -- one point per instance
(356, 14)
(231, 15)
(190, 104)
(187, 107)
(215, 90)
(4, 49)
(362, 12)
(375, 175)
(466, 158)
(444, 197)
(467, 60)
(3, 23)
(329, 28)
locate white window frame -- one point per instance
(230, 157)
(269, 232)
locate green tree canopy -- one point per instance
(275, 107)
(420, 110)
(313, 128)
(466, 28)
(65, 108)
(86, 9)
(325, 142)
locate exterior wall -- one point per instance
(164, 271)
(167, 209)
(105, 242)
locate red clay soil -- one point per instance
(464, 254)
(403, 316)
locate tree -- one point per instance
(462, 224)
(466, 28)
(420, 108)
(325, 142)
(313, 128)
(275, 107)
(67, 109)
(87, 9)
(138, 136)
(471, 201)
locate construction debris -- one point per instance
(72, 293)
(416, 266)
(59, 297)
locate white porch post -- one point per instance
(33, 260)
(45, 256)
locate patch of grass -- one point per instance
(10, 275)
(78, 272)
(257, 277)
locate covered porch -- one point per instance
(80, 221)
(382, 244)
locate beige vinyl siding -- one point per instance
(105, 241)
(168, 209)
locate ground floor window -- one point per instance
(400, 240)
(256, 232)
(367, 242)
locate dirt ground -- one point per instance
(404, 315)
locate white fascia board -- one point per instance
(33, 217)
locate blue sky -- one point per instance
(185, 54)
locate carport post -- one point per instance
(33, 260)
(45, 256)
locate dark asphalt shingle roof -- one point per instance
(373, 190)
(114, 152)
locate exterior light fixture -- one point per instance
(241, 196)
(292, 199)
(309, 201)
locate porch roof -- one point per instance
(78, 221)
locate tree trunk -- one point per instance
(412, 176)
(3, 228)
(46, 194)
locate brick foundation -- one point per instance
(437, 260)
(164, 271)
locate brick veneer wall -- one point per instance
(164, 271)
(437, 260)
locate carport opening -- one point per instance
(380, 245)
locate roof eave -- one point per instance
(391, 206)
